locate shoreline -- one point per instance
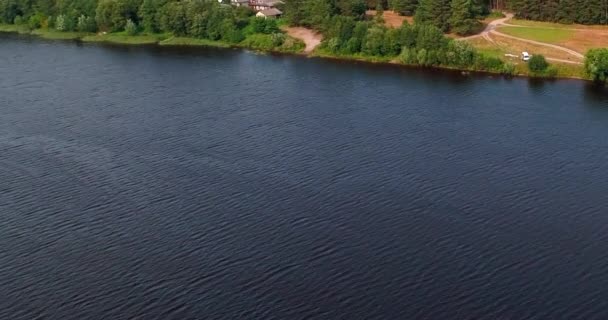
(165, 40)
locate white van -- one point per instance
(525, 56)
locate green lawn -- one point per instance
(539, 34)
(184, 41)
(14, 28)
(122, 38)
(58, 35)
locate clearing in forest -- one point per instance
(391, 18)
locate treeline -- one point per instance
(202, 19)
(458, 16)
(418, 44)
(562, 11)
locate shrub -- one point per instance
(131, 28)
(259, 42)
(538, 64)
(551, 72)
(60, 23)
(408, 56)
(35, 21)
(18, 20)
(488, 63)
(508, 69)
(292, 45)
(421, 57)
(277, 39)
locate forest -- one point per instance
(201, 19)
(562, 11)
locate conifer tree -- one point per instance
(462, 20)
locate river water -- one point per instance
(148, 183)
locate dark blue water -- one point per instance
(147, 183)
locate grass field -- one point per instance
(14, 28)
(554, 25)
(554, 36)
(122, 38)
(576, 37)
(502, 46)
(58, 35)
(183, 41)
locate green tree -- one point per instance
(173, 18)
(435, 12)
(131, 27)
(462, 20)
(596, 64)
(114, 14)
(353, 8)
(198, 28)
(318, 13)
(148, 14)
(296, 11)
(60, 23)
(404, 7)
(86, 24)
(538, 64)
(374, 41)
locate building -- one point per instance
(271, 13)
(239, 3)
(259, 5)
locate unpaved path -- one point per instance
(493, 25)
(310, 37)
(490, 27)
(556, 47)
(564, 61)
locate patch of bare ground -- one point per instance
(584, 40)
(391, 18)
(311, 38)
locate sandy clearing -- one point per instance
(310, 37)
(391, 18)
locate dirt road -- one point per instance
(493, 25)
(490, 27)
(556, 47)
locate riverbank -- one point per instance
(260, 42)
(291, 45)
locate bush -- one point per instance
(131, 28)
(35, 21)
(537, 64)
(486, 63)
(409, 56)
(551, 72)
(60, 23)
(259, 42)
(508, 69)
(292, 45)
(18, 20)
(277, 39)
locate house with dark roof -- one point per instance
(271, 13)
(259, 5)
